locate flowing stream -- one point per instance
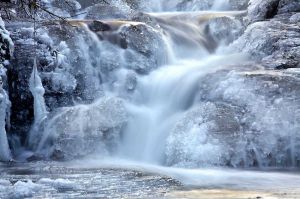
(159, 114)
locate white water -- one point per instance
(161, 98)
(148, 107)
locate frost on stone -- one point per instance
(146, 47)
(6, 43)
(268, 119)
(84, 129)
(61, 78)
(258, 40)
(190, 142)
(260, 10)
(40, 110)
(24, 189)
(5, 104)
(225, 30)
(58, 184)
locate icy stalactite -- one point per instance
(5, 154)
(40, 110)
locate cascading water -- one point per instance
(142, 104)
(161, 92)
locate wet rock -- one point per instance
(99, 26)
(224, 30)
(146, 41)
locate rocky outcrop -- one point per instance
(243, 119)
(273, 34)
(83, 129)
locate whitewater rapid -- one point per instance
(161, 98)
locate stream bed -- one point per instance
(115, 179)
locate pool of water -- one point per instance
(123, 179)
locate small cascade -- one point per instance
(5, 154)
(161, 89)
(40, 110)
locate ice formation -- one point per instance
(5, 154)
(40, 109)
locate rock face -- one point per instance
(272, 38)
(243, 119)
(225, 30)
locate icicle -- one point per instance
(40, 111)
(5, 154)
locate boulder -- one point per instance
(84, 129)
(260, 10)
(224, 30)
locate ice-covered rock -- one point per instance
(191, 142)
(6, 44)
(24, 189)
(275, 42)
(262, 108)
(84, 129)
(144, 47)
(58, 184)
(260, 10)
(5, 105)
(224, 30)
(6, 49)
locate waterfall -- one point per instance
(166, 88)
(40, 111)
